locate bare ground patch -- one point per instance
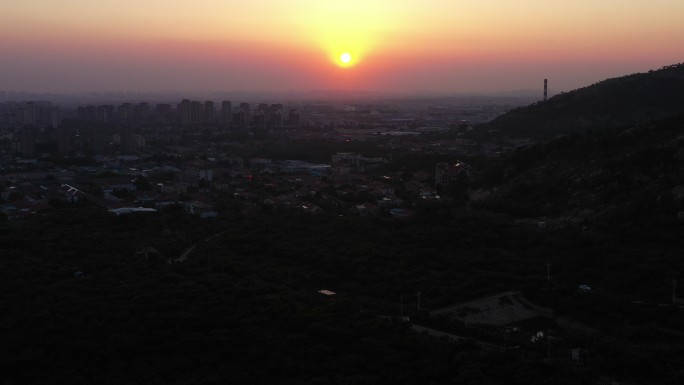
(498, 310)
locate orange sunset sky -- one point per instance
(275, 45)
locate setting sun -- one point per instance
(345, 58)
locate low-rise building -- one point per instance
(446, 173)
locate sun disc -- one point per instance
(345, 58)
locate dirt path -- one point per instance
(190, 249)
(185, 254)
(453, 337)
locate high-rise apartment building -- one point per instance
(28, 142)
(64, 140)
(293, 118)
(247, 112)
(184, 112)
(129, 141)
(125, 112)
(105, 113)
(99, 139)
(49, 116)
(28, 117)
(196, 112)
(239, 119)
(209, 111)
(276, 116)
(226, 113)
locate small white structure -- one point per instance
(203, 210)
(579, 355)
(131, 210)
(327, 292)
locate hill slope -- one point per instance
(635, 169)
(632, 99)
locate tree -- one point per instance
(142, 184)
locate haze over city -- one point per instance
(277, 45)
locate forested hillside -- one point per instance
(245, 305)
(635, 169)
(80, 305)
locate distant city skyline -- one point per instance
(400, 46)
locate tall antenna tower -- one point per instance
(546, 89)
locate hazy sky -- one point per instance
(395, 45)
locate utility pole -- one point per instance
(401, 299)
(587, 348)
(674, 292)
(548, 273)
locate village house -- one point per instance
(446, 173)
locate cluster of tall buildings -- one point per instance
(189, 113)
(126, 112)
(97, 140)
(38, 114)
(118, 126)
(27, 118)
(241, 116)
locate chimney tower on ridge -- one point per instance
(546, 88)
